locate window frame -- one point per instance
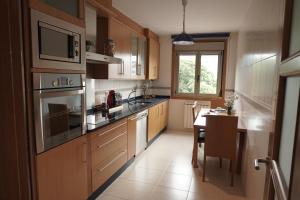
(196, 94)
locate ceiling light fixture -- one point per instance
(183, 38)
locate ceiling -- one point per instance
(202, 16)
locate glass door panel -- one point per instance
(186, 74)
(209, 74)
(295, 29)
(61, 118)
(71, 7)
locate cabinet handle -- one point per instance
(84, 153)
(123, 68)
(105, 132)
(120, 68)
(134, 118)
(106, 143)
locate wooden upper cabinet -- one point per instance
(71, 11)
(121, 35)
(153, 59)
(62, 171)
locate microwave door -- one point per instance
(58, 44)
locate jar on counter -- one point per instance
(110, 47)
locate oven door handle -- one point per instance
(46, 94)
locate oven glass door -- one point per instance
(61, 118)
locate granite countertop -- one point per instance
(97, 120)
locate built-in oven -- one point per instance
(56, 44)
(59, 108)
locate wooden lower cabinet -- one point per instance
(62, 171)
(108, 151)
(153, 115)
(157, 119)
(163, 114)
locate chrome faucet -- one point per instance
(128, 99)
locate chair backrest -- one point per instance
(197, 106)
(195, 110)
(221, 136)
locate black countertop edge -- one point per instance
(126, 113)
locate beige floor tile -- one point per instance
(143, 175)
(175, 181)
(130, 190)
(203, 196)
(163, 193)
(184, 168)
(108, 197)
(152, 163)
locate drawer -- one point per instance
(107, 134)
(104, 172)
(107, 150)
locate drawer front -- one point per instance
(105, 152)
(107, 134)
(104, 172)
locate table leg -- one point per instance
(195, 148)
(240, 153)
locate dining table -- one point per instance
(200, 123)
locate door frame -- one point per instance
(289, 68)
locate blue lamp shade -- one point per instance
(183, 39)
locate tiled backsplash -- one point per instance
(96, 88)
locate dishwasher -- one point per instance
(141, 131)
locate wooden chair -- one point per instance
(201, 133)
(221, 140)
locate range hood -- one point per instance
(101, 59)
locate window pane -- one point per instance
(186, 75)
(209, 74)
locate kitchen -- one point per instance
(99, 98)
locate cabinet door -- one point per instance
(131, 149)
(62, 171)
(121, 35)
(141, 58)
(153, 59)
(165, 113)
(138, 54)
(161, 116)
(71, 11)
(152, 122)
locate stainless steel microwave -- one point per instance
(56, 44)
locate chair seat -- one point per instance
(201, 136)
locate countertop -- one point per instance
(128, 109)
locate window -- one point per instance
(197, 73)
